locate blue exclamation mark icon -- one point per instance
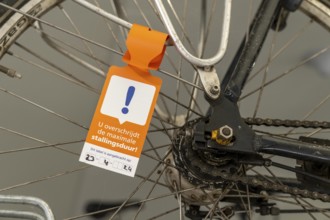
(129, 96)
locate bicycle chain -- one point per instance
(287, 123)
(266, 185)
(279, 187)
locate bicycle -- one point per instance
(196, 126)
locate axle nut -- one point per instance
(223, 135)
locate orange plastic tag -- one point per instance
(124, 111)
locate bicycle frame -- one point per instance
(235, 78)
(226, 111)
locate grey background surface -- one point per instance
(292, 98)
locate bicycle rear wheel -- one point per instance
(45, 115)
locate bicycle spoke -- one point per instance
(180, 79)
(103, 13)
(61, 29)
(192, 99)
(136, 189)
(37, 140)
(110, 28)
(160, 129)
(142, 13)
(296, 198)
(69, 79)
(42, 108)
(319, 131)
(163, 214)
(307, 207)
(287, 72)
(87, 47)
(248, 202)
(165, 107)
(50, 63)
(45, 178)
(72, 57)
(153, 148)
(134, 203)
(57, 146)
(299, 33)
(309, 213)
(171, 62)
(162, 121)
(318, 106)
(203, 36)
(261, 175)
(156, 148)
(247, 209)
(180, 64)
(178, 20)
(121, 13)
(56, 41)
(22, 135)
(324, 212)
(216, 203)
(177, 70)
(208, 26)
(280, 198)
(179, 199)
(285, 201)
(149, 193)
(152, 181)
(314, 132)
(159, 161)
(181, 104)
(264, 78)
(166, 131)
(149, 25)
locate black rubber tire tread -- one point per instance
(10, 35)
(5, 14)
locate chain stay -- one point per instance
(272, 186)
(266, 185)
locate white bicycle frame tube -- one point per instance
(183, 51)
(171, 30)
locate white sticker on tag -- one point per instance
(128, 100)
(109, 159)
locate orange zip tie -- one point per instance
(145, 47)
